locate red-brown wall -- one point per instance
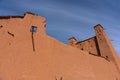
(51, 60)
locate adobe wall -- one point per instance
(19, 26)
(51, 60)
(13, 27)
(89, 45)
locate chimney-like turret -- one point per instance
(72, 41)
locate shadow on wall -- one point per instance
(1, 26)
(11, 34)
(106, 58)
(33, 30)
(61, 78)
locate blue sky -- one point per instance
(67, 18)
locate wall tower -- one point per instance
(105, 46)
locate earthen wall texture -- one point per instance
(105, 46)
(51, 60)
(89, 45)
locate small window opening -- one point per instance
(106, 57)
(90, 52)
(1, 26)
(82, 49)
(33, 29)
(88, 41)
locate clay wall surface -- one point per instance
(14, 27)
(89, 45)
(51, 60)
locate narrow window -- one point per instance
(33, 29)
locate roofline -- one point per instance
(8, 17)
(85, 40)
(72, 38)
